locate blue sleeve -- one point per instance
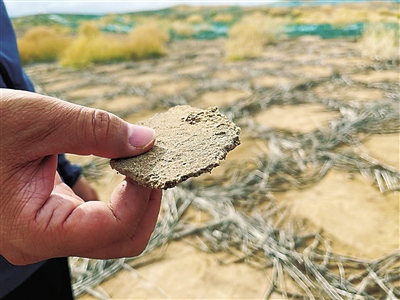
(68, 172)
(12, 76)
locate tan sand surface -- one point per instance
(144, 79)
(270, 81)
(191, 70)
(312, 71)
(228, 75)
(170, 88)
(377, 76)
(351, 211)
(59, 85)
(187, 273)
(384, 148)
(92, 91)
(300, 118)
(349, 93)
(220, 98)
(119, 103)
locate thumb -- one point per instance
(46, 125)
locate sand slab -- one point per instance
(190, 141)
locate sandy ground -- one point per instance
(347, 208)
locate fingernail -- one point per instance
(140, 136)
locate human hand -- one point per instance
(83, 189)
(41, 217)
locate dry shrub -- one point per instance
(92, 46)
(86, 51)
(384, 11)
(42, 44)
(147, 41)
(279, 11)
(195, 19)
(223, 18)
(107, 19)
(248, 37)
(342, 15)
(89, 30)
(182, 28)
(380, 42)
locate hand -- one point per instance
(41, 217)
(83, 189)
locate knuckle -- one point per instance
(101, 123)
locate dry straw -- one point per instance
(91, 46)
(381, 42)
(42, 44)
(248, 37)
(245, 221)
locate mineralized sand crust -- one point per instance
(190, 141)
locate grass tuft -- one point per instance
(195, 19)
(343, 15)
(380, 42)
(146, 41)
(182, 29)
(42, 44)
(248, 37)
(91, 46)
(223, 18)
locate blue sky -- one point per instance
(18, 8)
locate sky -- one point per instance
(17, 8)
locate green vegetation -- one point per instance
(338, 14)
(143, 35)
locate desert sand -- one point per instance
(347, 208)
